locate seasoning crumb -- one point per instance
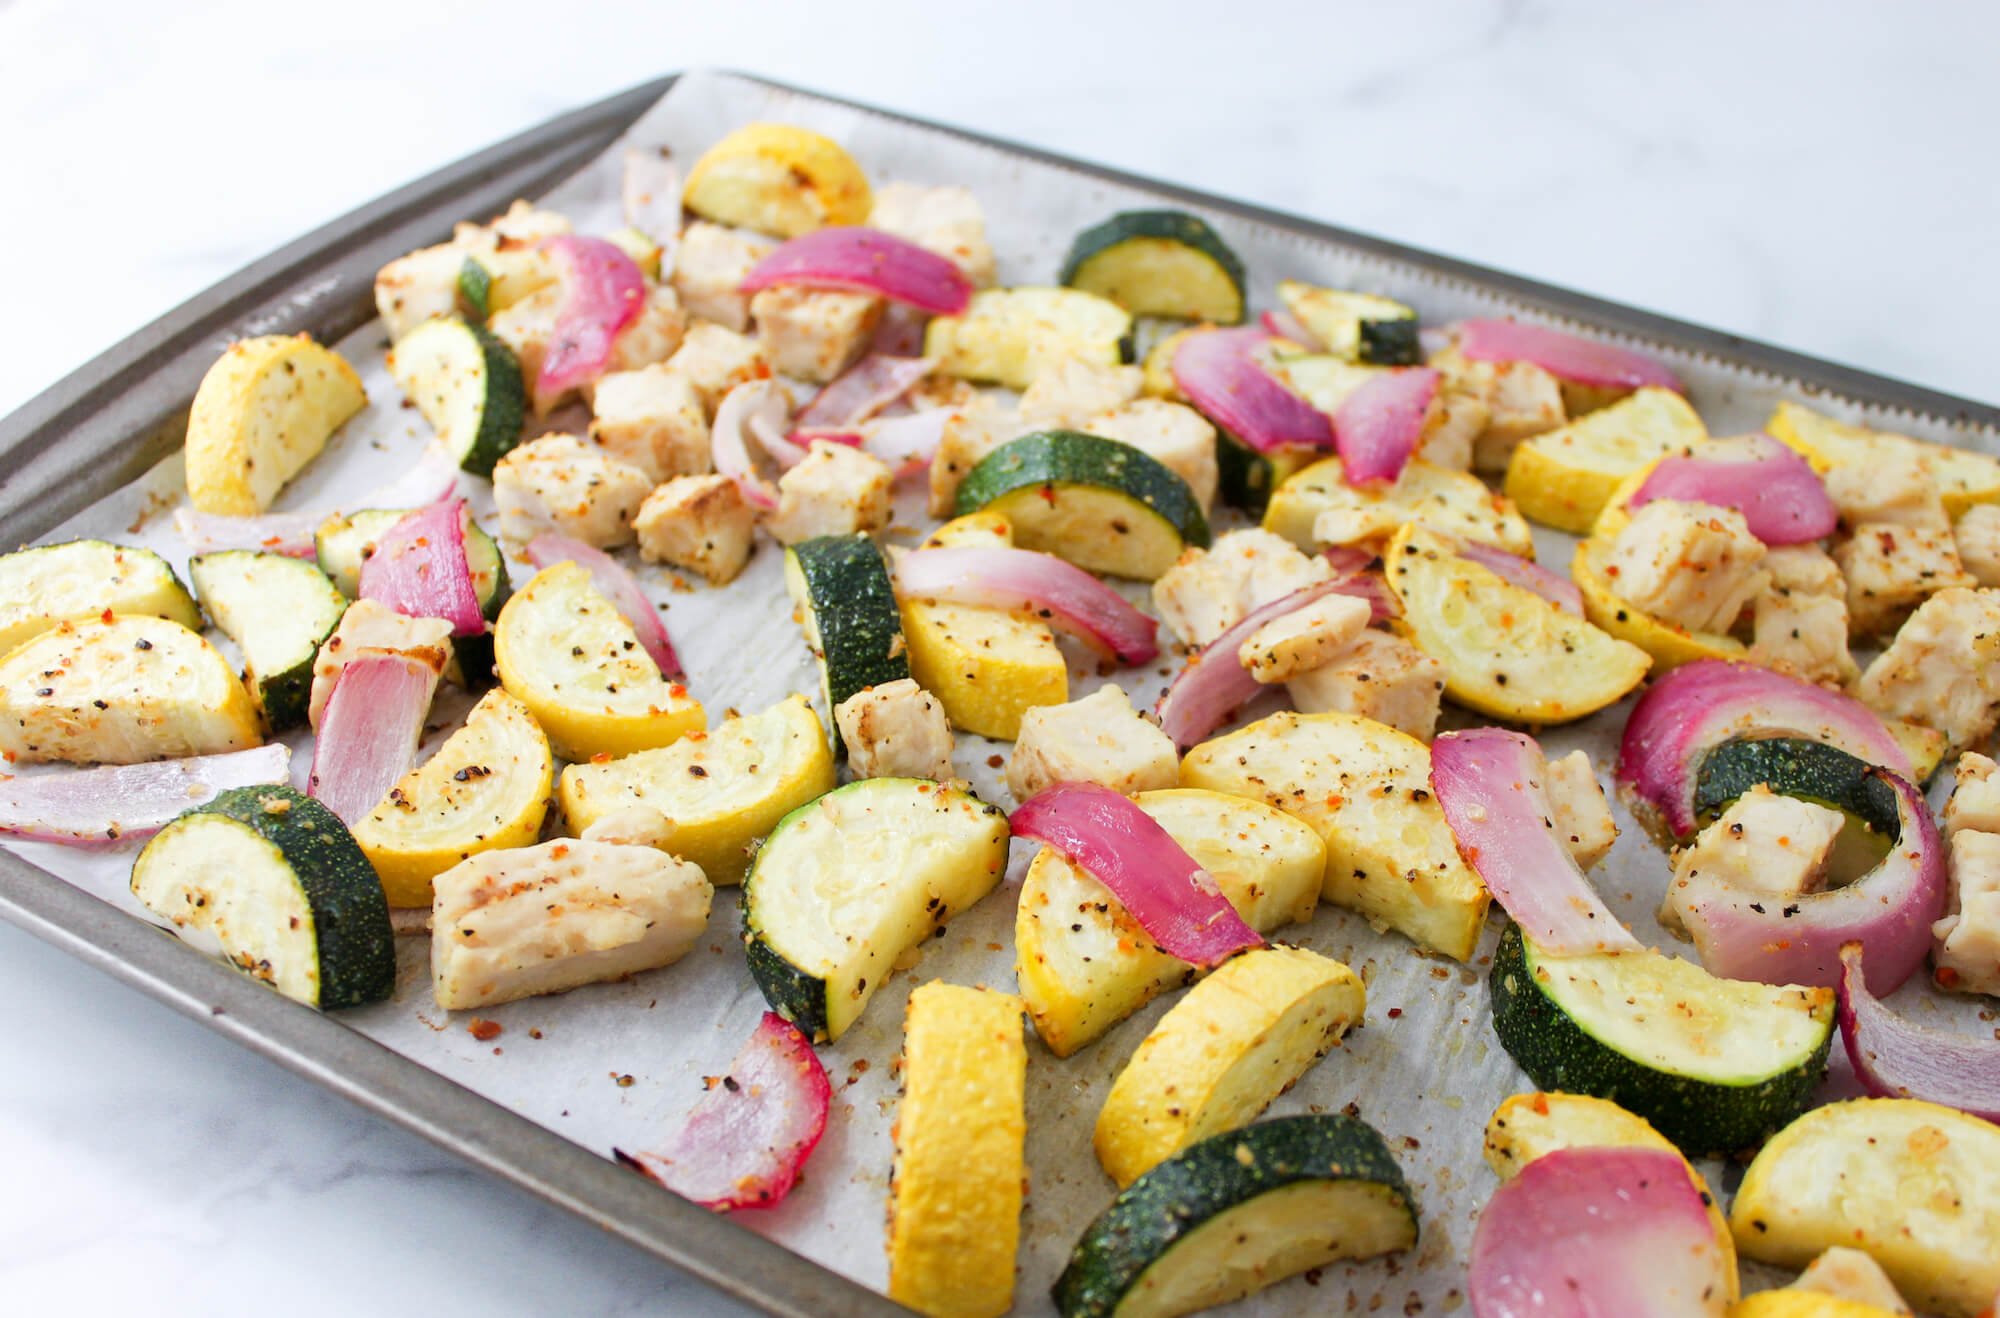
(483, 1030)
(622, 1081)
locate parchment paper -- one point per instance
(618, 1063)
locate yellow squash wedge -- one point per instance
(1964, 477)
(1454, 502)
(262, 413)
(960, 1169)
(486, 789)
(1083, 963)
(1238, 1039)
(1804, 1304)
(1365, 788)
(1565, 477)
(717, 792)
(778, 179)
(566, 653)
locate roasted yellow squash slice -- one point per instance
(1454, 502)
(780, 179)
(262, 413)
(1565, 477)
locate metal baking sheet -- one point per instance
(88, 453)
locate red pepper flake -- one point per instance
(1395, 1012)
(483, 1030)
(1540, 1104)
(622, 1081)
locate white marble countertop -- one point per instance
(1809, 174)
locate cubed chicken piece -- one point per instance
(1803, 635)
(1894, 487)
(368, 629)
(1304, 639)
(561, 483)
(970, 433)
(700, 523)
(529, 920)
(1208, 591)
(835, 490)
(896, 730)
(1583, 821)
(715, 360)
(415, 288)
(527, 328)
(1098, 739)
(709, 268)
(1523, 400)
(946, 220)
(652, 419)
(1977, 537)
(1067, 393)
(1451, 427)
(1179, 437)
(1967, 954)
(1690, 564)
(632, 826)
(1891, 569)
(1804, 570)
(1943, 668)
(814, 334)
(1765, 842)
(653, 336)
(1849, 1274)
(1380, 676)
(1975, 795)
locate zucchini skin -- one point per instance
(798, 997)
(1070, 457)
(1208, 1178)
(854, 608)
(1700, 1117)
(474, 290)
(1799, 768)
(1179, 227)
(505, 410)
(1391, 342)
(1246, 478)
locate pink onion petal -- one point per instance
(419, 569)
(1696, 707)
(908, 442)
(651, 195)
(1771, 484)
(865, 260)
(783, 449)
(729, 442)
(1490, 783)
(368, 732)
(1174, 900)
(1214, 684)
(1557, 590)
(900, 333)
(1898, 1058)
(1284, 325)
(810, 437)
(603, 292)
(864, 389)
(1023, 581)
(747, 1138)
(1747, 934)
(119, 803)
(1380, 424)
(617, 585)
(433, 476)
(1566, 356)
(1219, 371)
(1599, 1232)
(1347, 560)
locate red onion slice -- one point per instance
(866, 387)
(900, 332)
(369, 731)
(1559, 591)
(908, 442)
(1042, 585)
(119, 803)
(1566, 356)
(1218, 370)
(603, 292)
(1490, 784)
(651, 194)
(1896, 1058)
(1284, 325)
(617, 585)
(863, 260)
(1380, 424)
(1598, 1233)
(1696, 707)
(433, 476)
(419, 569)
(761, 406)
(787, 451)
(747, 1138)
(1174, 900)
(1771, 484)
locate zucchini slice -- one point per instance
(718, 794)
(468, 386)
(1008, 335)
(1159, 263)
(472, 295)
(81, 579)
(275, 878)
(848, 610)
(1714, 1064)
(263, 411)
(1082, 961)
(1456, 503)
(1506, 651)
(1565, 477)
(1913, 1185)
(1215, 1061)
(960, 1134)
(121, 690)
(1358, 327)
(1237, 1212)
(847, 883)
(485, 789)
(565, 651)
(345, 540)
(279, 611)
(1100, 504)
